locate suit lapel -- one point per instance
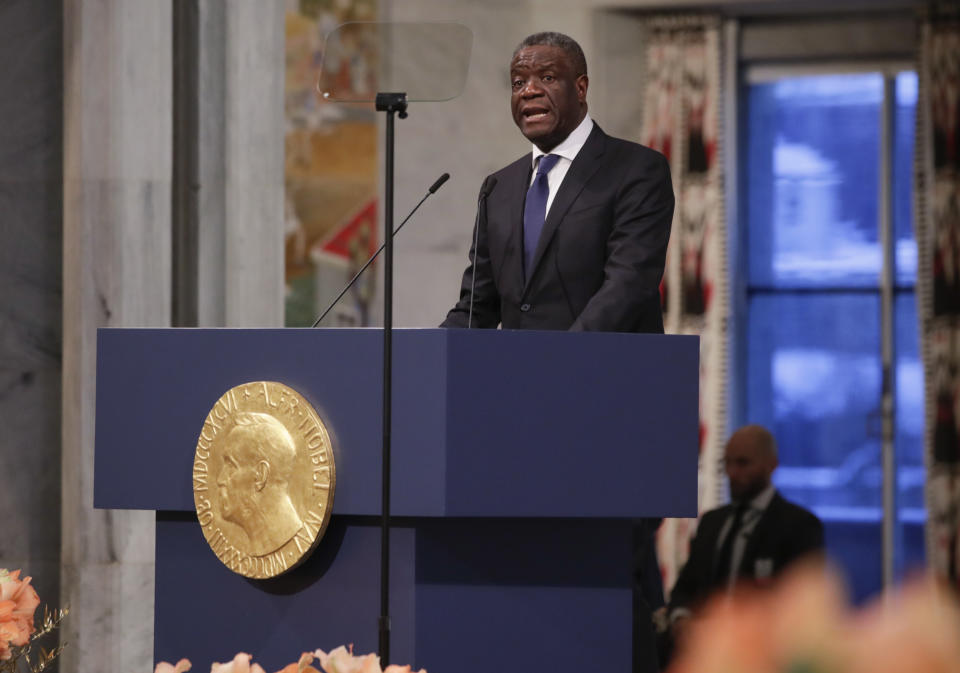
(581, 170)
(514, 247)
(712, 541)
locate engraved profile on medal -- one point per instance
(254, 482)
(263, 479)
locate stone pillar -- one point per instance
(31, 193)
(117, 167)
(231, 123)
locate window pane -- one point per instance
(814, 379)
(904, 123)
(813, 156)
(908, 443)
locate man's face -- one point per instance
(748, 467)
(237, 483)
(549, 100)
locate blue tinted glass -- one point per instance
(814, 380)
(813, 149)
(904, 123)
(908, 443)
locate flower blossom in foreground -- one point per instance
(18, 602)
(805, 623)
(240, 664)
(340, 660)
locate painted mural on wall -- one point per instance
(681, 102)
(938, 286)
(330, 169)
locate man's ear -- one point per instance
(582, 83)
(262, 472)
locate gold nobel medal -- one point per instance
(263, 479)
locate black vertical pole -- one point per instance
(391, 104)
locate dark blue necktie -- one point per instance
(535, 210)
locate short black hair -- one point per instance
(564, 42)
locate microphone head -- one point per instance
(436, 185)
(488, 186)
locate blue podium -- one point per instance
(520, 462)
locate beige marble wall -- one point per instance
(116, 272)
(31, 76)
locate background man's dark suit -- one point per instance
(784, 533)
(601, 253)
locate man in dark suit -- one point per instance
(574, 234)
(752, 539)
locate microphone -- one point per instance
(433, 188)
(485, 190)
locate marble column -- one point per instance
(232, 124)
(116, 272)
(31, 207)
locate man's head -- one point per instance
(258, 457)
(548, 80)
(750, 458)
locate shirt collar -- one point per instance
(571, 145)
(761, 500)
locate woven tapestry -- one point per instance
(937, 217)
(681, 119)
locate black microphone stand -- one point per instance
(393, 104)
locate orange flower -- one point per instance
(342, 661)
(804, 624)
(240, 664)
(732, 636)
(164, 667)
(18, 602)
(301, 666)
(915, 630)
(809, 619)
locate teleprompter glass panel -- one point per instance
(427, 61)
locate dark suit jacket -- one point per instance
(784, 533)
(601, 253)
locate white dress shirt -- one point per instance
(755, 509)
(567, 151)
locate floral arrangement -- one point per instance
(805, 625)
(340, 660)
(18, 603)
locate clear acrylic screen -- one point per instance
(426, 61)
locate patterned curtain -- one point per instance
(937, 217)
(681, 119)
